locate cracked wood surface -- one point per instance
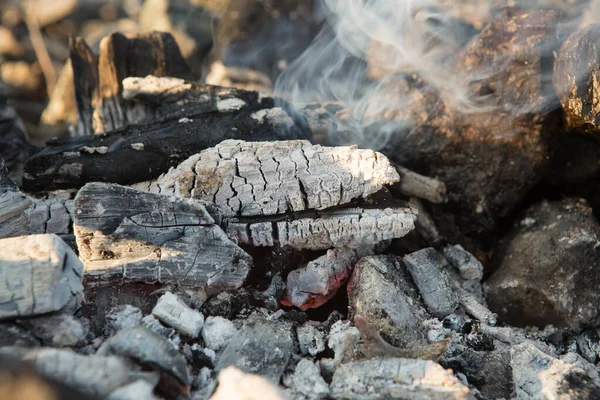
(269, 178)
(132, 235)
(38, 274)
(355, 228)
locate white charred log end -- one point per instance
(155, 88)
(23, 215)
(319, 281)
(138, 236)
(269, 178)
(355, 228)
(396, 378)
(93, 375)
(38, 274)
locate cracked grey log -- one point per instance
(150, 349)
(427, 268)
(93, 375)
(13, 203)
(133, 235)
(317, 282)
(536, 373)
(268, 178)
(262, 347)
(355, 228)
(396, 378)
(38, 274)
(380, 288)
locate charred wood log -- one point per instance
(131, 235)
(38, 274)
(183, 119)
(576, 74)
(120, 56)
(423, 187)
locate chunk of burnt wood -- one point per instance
(547, 267)
(14, 147)
(576, 74)
(396, 378)
(120, 56)
(210, 116)
(316, 283)
(235, 384)
(381, 289)
(128, 234)
(262, 347)
(423, 187)
(355, 228)
(268, 178)
(38, 274)
(428, 270)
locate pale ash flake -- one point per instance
(269, 178)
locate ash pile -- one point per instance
(316, 208)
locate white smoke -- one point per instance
(413, 36)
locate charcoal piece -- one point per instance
(217, 332)
(413, 184)
(148, 348)
(428, 270)
(547, 267)
(14, 335)
(380, 288)
(137, 390)
(569, 376)
(307, 382)
(344, 340)
(588, 344)
(236, 384)
(576, 73)
(355, 228)
(120, 56)
(40, 274)
(396, 378)
(310, 339)
(61, 330)
(13, 204)
(262, 347)
(150, 322)
(467, 271)
(315, 284)
(173, 312)
(122, 317)
(168, 134)
(93, 375)
(268, 178)
(14, 147)
(133, 235)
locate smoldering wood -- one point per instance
(14, 147)
(120, 56)
(262, 347)
(381, 289)
(473, 306)
(145, 347)
(131, 235)
(427, 268)
(423, 187)
(268, 178)
(355, 228)
(94, 375)
(150, 149)
(39, 274)
(316, 283)
(575, 77)
(396, 378)
(425, 225)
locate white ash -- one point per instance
(276, 116)
(122, 317)
(235, 384)
(343, 340)
(150, 322)
(175, 313)
(185, 120)
(307, 382)
(153, 86)
(137, 146)
(61, 330)
(217, 332)
(268, 178)
(310, 339)
(228, 105)
(140, 389)
(203, 378)
(92, 150)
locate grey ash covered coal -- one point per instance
(198, 238)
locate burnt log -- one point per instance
(120, 56)
(126, 234)
(182, 120)
(576, 74)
